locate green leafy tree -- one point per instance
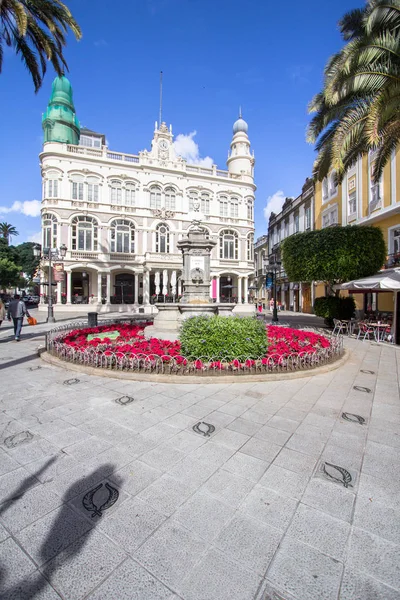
(26, 258)
(7, 251)
(7, 230)
(37, 30)
(10, 273)
(334, 255)
(358, 108)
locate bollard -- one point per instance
(92, 319)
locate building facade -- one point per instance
(121, 215)
(258, 290)
(297, 215)
(359, 201)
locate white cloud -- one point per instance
(186, 147)
(36, 238)
(274, 204)
(29, 208)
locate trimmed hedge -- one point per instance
(334, 307)
(223, 337)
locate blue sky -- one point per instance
(267, 57)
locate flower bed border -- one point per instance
(201, 367)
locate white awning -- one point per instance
(389, 279)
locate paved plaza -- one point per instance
(107, 492)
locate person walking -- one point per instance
(2, 312)
(17, 310)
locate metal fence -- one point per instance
(201, 366)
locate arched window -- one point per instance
(223, 206)
(325, 192)
(49, 228)
(92, 189)
(205, 204)
(193, 196)
(122, 236)
(155, 197)
(228, 244)
(115, 191)
(84, 234)
(250, 247)
(250, 214)
(130, 192)
(162, 238)
(77, 187)
(170, 198)
(234, 212)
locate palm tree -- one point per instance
(358, 108)
(37, 29)
(7, 230)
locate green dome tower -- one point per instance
(59, 122)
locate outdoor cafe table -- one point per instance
(380, 329)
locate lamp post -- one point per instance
(275, 264)
(51, 254)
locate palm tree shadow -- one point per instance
(70, 531)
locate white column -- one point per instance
(108, 288)
(239, 289)
(217, 289)
(136, 288)
(180, 286)
(59, 291)
(165, 282)
(157, 282)
(98, 286)
(69, 287)
(246, 290)
(146, 287)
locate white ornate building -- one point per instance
(121, 215)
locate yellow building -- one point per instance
(358, 201)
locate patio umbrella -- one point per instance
(388, 279)
(229, 286)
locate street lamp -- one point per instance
(275, 264)
(50, 254)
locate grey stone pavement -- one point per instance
(124, 501)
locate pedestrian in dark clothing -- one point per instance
(17, 311)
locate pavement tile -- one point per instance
(135, 477)
(286, 483)
(283, 424)
(317, 529)
(30, 506)
(131, 524)
(51, 534)
(15, 483)
(217, 577)
(7, 463)
(295, 461)
(305, 572)
(213, 454)
(14, 565)
(171, 553)
(246, 466)
(330, 498)
(250, 542)
(86, 449)
(359, 586)
(33, 586)
(261, 449)
(83, 565)
(192, 471)
(35, 450)
(163, 457)
(231, 439)
(204, 515)
(269, 507)
(227, 487)
(372, 487)
(244, 426)
(377, 518)
(306, 443)
(131, 582)
(165, 494)
(374, 556)
(271, 434)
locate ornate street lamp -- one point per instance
(276, 266)
(50, 254)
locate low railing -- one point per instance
(179, 365)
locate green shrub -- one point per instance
(223, 337)
(334, 307)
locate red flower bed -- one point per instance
(130, 343)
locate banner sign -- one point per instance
(58, 272)
(269, 281)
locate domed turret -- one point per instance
(240, 161)
(59, 122)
